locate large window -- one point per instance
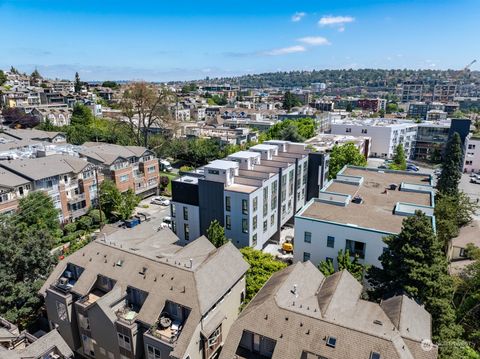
(123, 178)
(227, 204)
(124, 341)
(62, 311)
(153, 353)
(355, 248)
(307, 237)
(214, 338)
(254, 240)
(186, 230)
(244, 206)
(265, 201)
(255, 203)
(330, 242)
(254, 224)
(244, 225)
(228, 222)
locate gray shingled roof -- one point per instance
(107, 153)
(292, 316)
(9, 179)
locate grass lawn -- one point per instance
(171, 176)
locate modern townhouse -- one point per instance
(129, 167)
(357, 210)
(68, 180)
(23, 345)
(472, 154)
(300, 313)
(251, 193)
(386, 134)
(137, 294)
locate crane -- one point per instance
(466, 68)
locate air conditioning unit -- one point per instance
(63, 281)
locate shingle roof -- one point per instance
(285, 311)
(9, 179)
(108, 153)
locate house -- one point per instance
(23, 345)
(129, 167)
(469, 234)
(300, 313)
(55, 116)
(34, 135)
(357, 210)
(137, 294)
(251, 193)
(472, 154)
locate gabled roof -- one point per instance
(107, 153)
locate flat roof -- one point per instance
(244, 154)
(241, 188)
(263, 147)
(224, 164)
(378, 203)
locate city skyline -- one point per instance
(164, 42)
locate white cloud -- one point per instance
(298, 16)
(285, 50)
(314, 40)
(336, 21)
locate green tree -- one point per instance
(451, 167)
(81, 116)
(457, 349)
(77, 84)
(37, 211)
(25, 262)
(346, 154)
(399, 161)
(97, 216)
(216, 234)
(3, 78)
(115, 204)
(290, 101)
(392, 107)
(349, 107)
(290, 133)
(262, 266)
(35, 77)
(110, 84)
(415, 264)
(344, 262)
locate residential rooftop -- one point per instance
(382, 208)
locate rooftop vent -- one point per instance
(393, 186)
(378, 322)
(357, 199)
(374, 355)
(331, 342)
(119, 263)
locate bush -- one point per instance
(70, 228)
(185, 168)
(84, 222)
(94, 214)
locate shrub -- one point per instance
(70, 228)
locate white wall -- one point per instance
(472, 155)
(193, 221)
(318, 247)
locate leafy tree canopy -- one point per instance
(81, 116)
(346, 154)
(216, 234)
(344, 262)
(451, 167)
(115, 204)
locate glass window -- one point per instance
(185, 213)
(173, 210)
(265, 226)
(124, 341)
(254, 240)
(306, 256)
(153, 353)
(244, 225)
(227, 204)
(254, 224)
(272, 220)
(244, 206)
(228, 222)
(62, 311)
(255, 203)
(186, 229)
(330, 242)
(123, 178)
(307, 238)
(355, 248)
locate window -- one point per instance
(254, 224)
(374, 355)
(186, 230)
(62, 311)
(348, 130)
(306, 256)
(244, 225)
(468, 163)
(123, 178)
(151, 169)
(329, 259)
(355, 248)
(255, 204)
(214, 172)
(174, 211)
(307, 237)
(124, 341)
(254, 240)
(364, 130)
(330, 241)
(185, 213)
(227, 204)
(272, 220)
(265, 201)
(331, 342)
(471, 147)
(244, 206)
(153, 353)
(3, 198)
(273, 201)
(213, 339)
(228, 222)
(265, 226)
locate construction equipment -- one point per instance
(287, 246)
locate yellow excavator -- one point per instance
(287, 246)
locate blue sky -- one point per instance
(180, 40)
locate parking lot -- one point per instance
(154, 210)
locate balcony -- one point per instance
(170, 323)
(76, 198)
(127, 314)
(78, 212)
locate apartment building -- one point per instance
(472, 154)
(386, 134)
(23, 345)
(68, 180)
(136, 294)
(412, 91)
(129, 167)
(357, 210)
(431, 140)
(300, 313)
(252, 194)
(325, 142)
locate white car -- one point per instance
(162, 201)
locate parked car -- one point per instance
(473, 174)
(162, 201)
(411, 167)
(437, 172)
(475, 179)
(167, 222)
(383, 167)
(165, 166)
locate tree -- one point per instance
(290, 133)
(97, 216)
(117, 205)
(414, 264)
(3, 78)
(216, 234)
(110, 84)
(392, 107)
(147, 106)
(164, 181)
(349, 107)
(38, 212)
(296, 130)
(15, 116)
(344, 262)
(399, 161)
(262, 266)
(346, 154)
(290, 101)
(78, 84)
(451, 167)
(81, 116)
(35, 78)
